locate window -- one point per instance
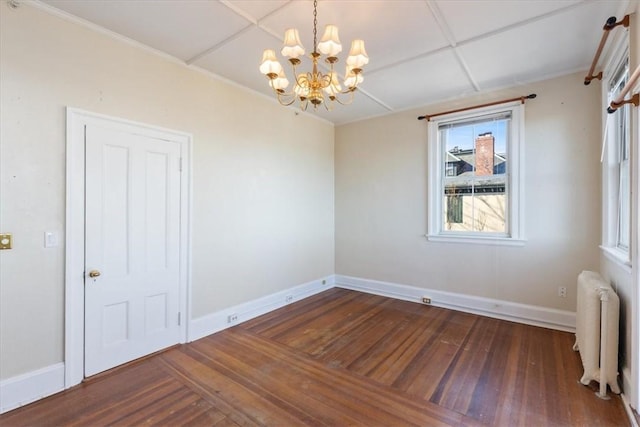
(618, 197)
(474, 181)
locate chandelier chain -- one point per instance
(315, 24)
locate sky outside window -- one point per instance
(464, 137)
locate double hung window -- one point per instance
(474, 175)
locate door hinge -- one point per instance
(180, 164)
(179, 318)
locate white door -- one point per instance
(132, 246)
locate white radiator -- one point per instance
(597, 317)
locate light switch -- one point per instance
(6, 241)
(50, 239)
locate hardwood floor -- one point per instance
(345, 358)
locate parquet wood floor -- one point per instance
(345, 358)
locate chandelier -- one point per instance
(312, 87)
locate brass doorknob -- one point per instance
(94, 273)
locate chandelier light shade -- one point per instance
(357, 55)
(315, 87)
(292, 45)
(330, 43)
(270, 64)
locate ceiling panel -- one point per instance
(470, 18)
(239, 59)
(392, 30)
(361, 107)
(551, 48)
(500, 42)
(180, 28)
(419, 82)
(257, 8)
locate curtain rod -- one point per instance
(489, 104)
(619, 100)
(609, 25)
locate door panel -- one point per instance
(133, 241)
(115, 327)
(114, 199)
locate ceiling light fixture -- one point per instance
(309, 87)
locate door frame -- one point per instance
(77, 119)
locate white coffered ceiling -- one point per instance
(421, 51)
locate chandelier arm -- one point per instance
(302, 80)
(349, 90)
(295, 74)
(286, 104)
(337, 99)
(282, 95)
(325, 80)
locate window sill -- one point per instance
(618, 257)
(499, 241)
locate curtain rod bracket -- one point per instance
(619, 100)
(609, 25)
(635, 100)
(587, 80)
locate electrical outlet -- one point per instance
(562, 291)
(233, 318)
(426, 300)
(324, 282)
(288, 298)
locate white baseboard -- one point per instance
(625, 375)
(29, 387)
(218, 321)
(629, 410)
(506, 310)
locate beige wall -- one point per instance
(381, 199)
(263, 189)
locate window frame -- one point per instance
(514, 186)
(612, 167)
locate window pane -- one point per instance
(624, 207)
(490, 213)
(624, 197)
(621, 136)
(474, 179)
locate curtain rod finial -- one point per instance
(611, 22)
